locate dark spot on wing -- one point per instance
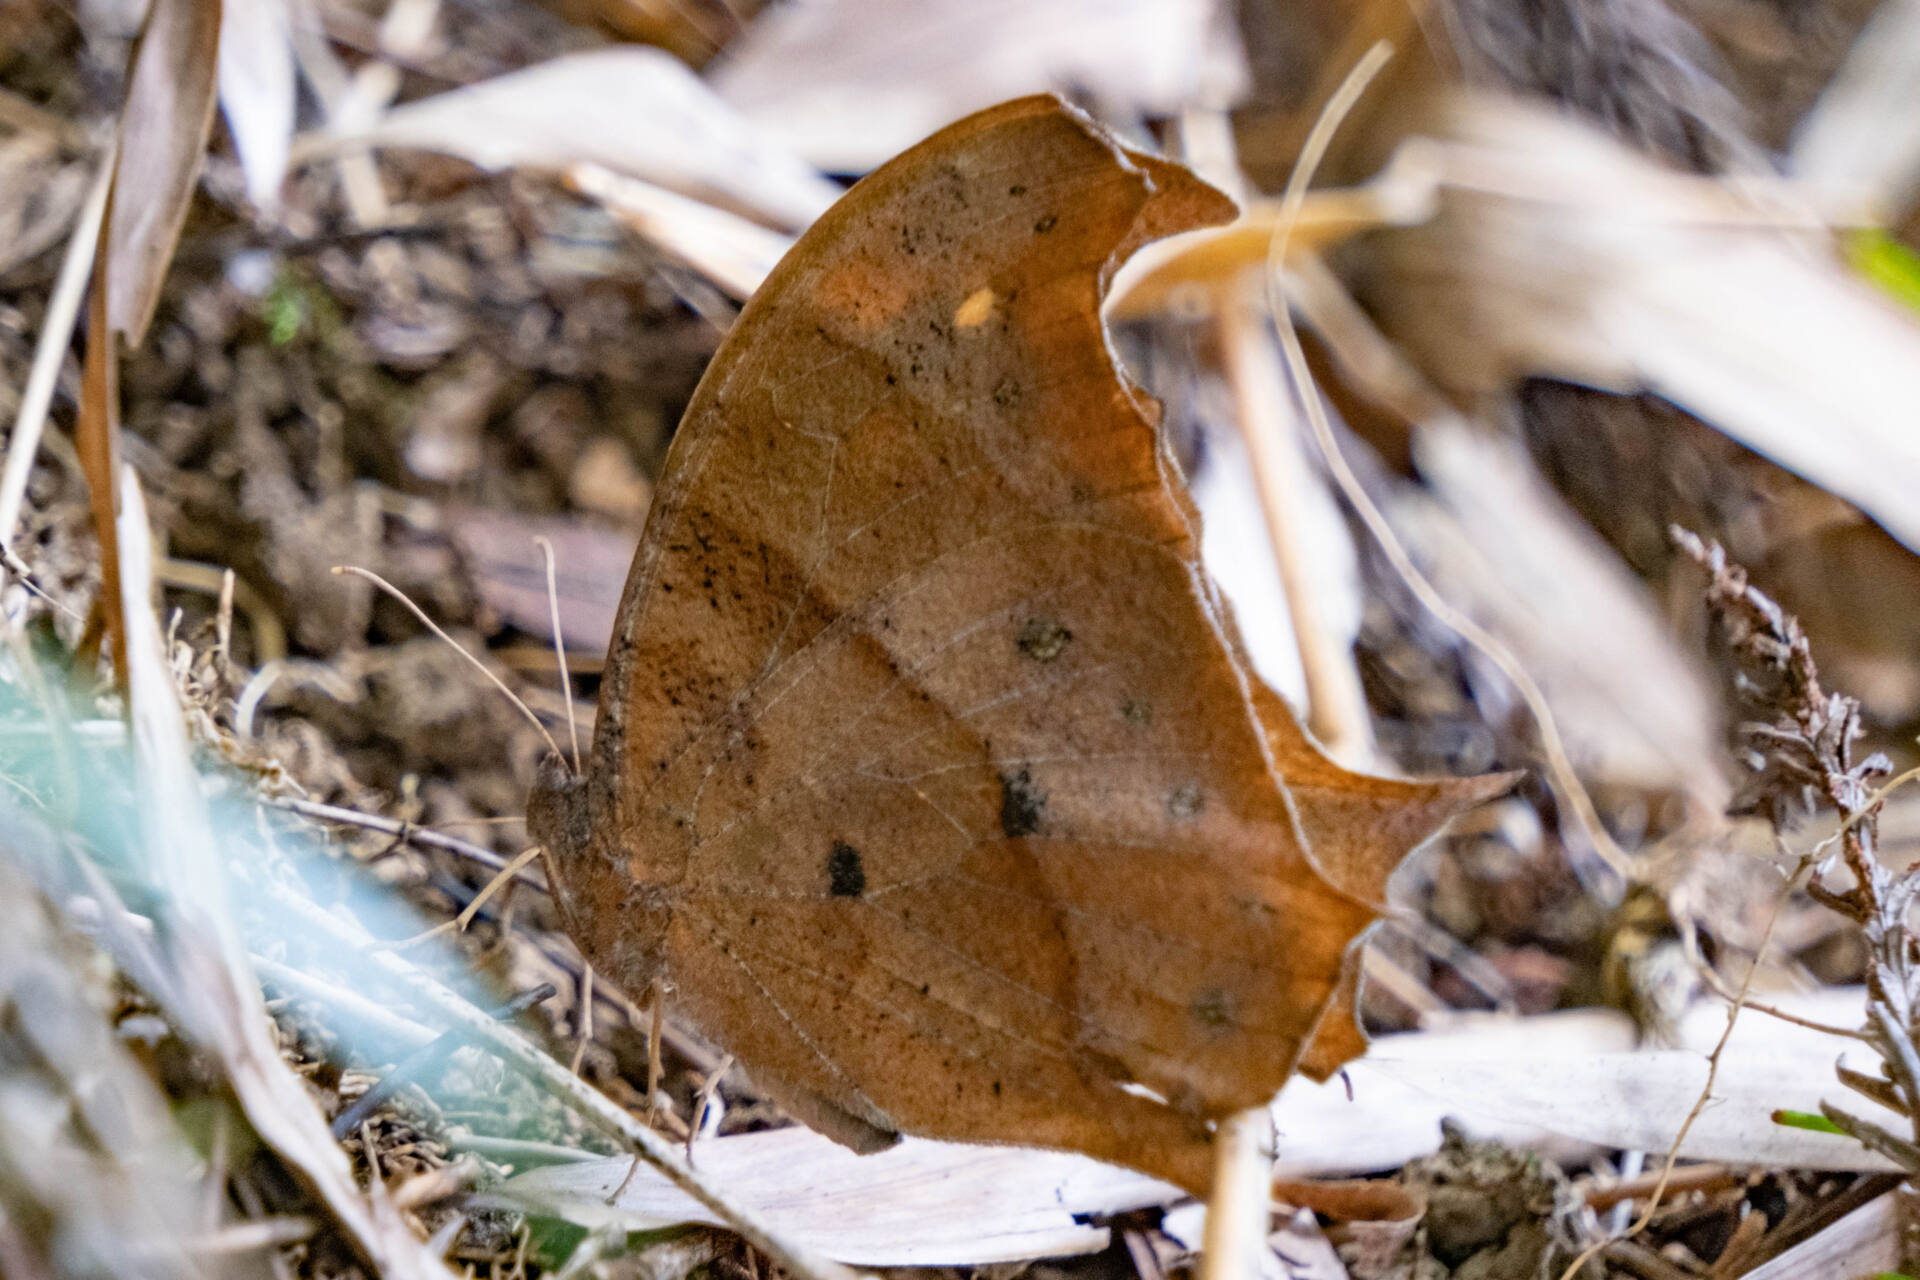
(1046, 224)
(1043, 639)
(846, 878)
(1186, 801)
(1136, 712)
(1212, 1008)
(1022, 805)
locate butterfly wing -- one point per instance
(928, 770)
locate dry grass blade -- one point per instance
(257, 91)
(56, 335)
(96, 438)
(162, 140)
(581, 109)
(462, 1015)
(1862, 137)
(1637, 1100)
(731, 251)
(219, 999)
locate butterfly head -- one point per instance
(620, 923)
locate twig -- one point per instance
(1336, 704)
(407, 831)
(1237, 1224)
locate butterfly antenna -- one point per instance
(1559, 764)
(560, 646)
(354, 570)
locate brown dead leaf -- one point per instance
(163, 137)
(511, 577)
(162, 140)
(929, 771)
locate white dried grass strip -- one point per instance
(732, 252)
(925, 1202)
(636, 111)
(219, 1001)
(1862, 137)
(849, 83)
(919, 1203)
(1521, 1080)
(1866, 1242)
(257, 91)
(1637, 1100)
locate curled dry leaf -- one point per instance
(929, 770)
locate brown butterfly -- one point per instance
(929, 772)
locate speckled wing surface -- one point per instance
(928, 771)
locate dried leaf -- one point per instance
(918, 1203)
(511, 576)
(257, 91)
(639, 112)
(929, 770)
(163, 138)
(1861, 138)
(1560, 253)
(1637, 1101)
(847, 83)
(1865, 1242)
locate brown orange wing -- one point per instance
(928, 771)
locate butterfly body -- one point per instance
(928, 772)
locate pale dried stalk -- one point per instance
(1336, 704)
(56, 333)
